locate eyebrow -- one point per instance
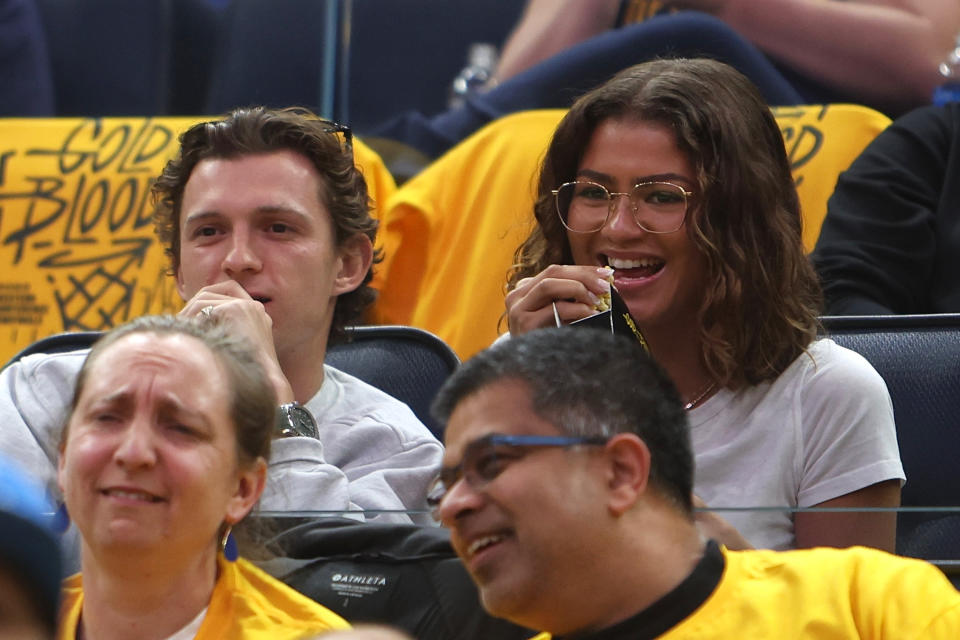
(657, 177)
(201, 216)
(170, 405)
(466, 447)
(125, 402)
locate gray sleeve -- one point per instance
(35, 396)
(398, 479)
(300, 479)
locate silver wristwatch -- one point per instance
(293, 419)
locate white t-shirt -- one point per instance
(822, 429)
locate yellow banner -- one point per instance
(77, 248)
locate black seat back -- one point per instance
(918, 357)
(408, 363)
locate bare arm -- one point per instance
(884, 50)
(716, 527)
(550, 26)
(844, 529)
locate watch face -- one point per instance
(296, 420)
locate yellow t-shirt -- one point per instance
(246, 604)
(824, 594)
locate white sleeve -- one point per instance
(384, 471)
(850, 440)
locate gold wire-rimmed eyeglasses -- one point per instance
(585, 206)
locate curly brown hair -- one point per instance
(257, 130)
(761, 305)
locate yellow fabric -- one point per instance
(77, 248)
(639, 10)
(450, 233)
(821, 142)
(826, 594)
(247, 604)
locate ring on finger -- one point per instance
(207, 311)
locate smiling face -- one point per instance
(521, 536)
(259, 220)
(659, 276)
(149, 462)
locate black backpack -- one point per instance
(403, 575)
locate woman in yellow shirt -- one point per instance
(164, 452)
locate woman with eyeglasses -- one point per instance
(673, 175)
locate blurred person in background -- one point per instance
(880, 53)
(890, 242)
(30, 563)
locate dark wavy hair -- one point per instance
(762, 299)
(256, 130)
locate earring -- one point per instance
(228, 545)
(61, 519)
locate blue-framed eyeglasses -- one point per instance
(485, 458)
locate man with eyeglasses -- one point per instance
(266, 220)
(566, 486)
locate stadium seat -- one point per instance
(410, 364)
(918, 357)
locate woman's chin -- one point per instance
(122, 537)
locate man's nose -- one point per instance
(459, 499)
(242, 255)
